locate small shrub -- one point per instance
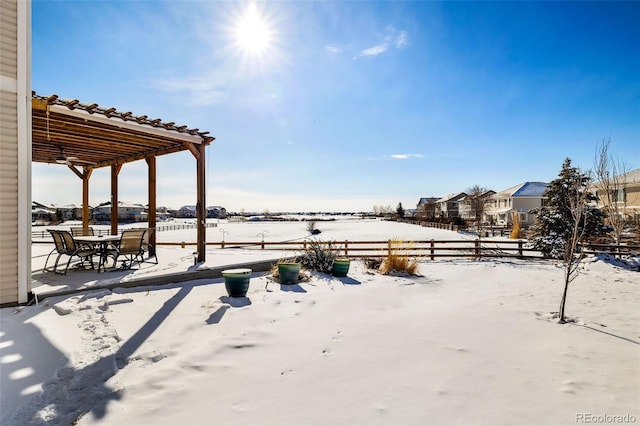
(319, 256)
(373, 263)
(397, 261)
(311, 227)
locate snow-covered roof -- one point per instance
(526, 189)
(451, 197)
(123, 204)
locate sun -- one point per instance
(252, 32)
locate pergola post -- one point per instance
(115, 171)
(84, 175)
(151, 218)
(201, 206)
(85, 196)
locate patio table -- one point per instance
(103, 242)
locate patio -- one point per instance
(175, 264)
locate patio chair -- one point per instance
(66, 245)
(147, 247)
(129, 247)
(77, 231)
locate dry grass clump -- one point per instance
(397, 260)
(515, 229)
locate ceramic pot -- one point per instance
(289, 272)
(236, 281)
(340, 267)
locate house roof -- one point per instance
(632, 177)
(123, 204)
(93, 136)
(451, 197)
(425, 200)
(526, 189)
(484, 194)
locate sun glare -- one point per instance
(252, 32)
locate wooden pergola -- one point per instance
(84, 137)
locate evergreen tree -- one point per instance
(555, 222)
(400, 210)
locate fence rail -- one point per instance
(430, 249)
(376, 249)
(426, 249)
(43, 234)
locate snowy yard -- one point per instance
(465, 342)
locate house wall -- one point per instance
(15, 151)
(526, 204)
(633, 201)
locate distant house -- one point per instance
(41, 214)
(627, 195)
(212, 212)
(449, 206)
(187, 211)
(466, 209)
(218, 212)
(162, 213)
(426, 207)
(521, 198)
(127, 212)
(70, 212)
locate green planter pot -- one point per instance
(236, 281)
(340, 267)
(289, 272)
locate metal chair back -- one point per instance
(79, 231)
(58, 241)
(69, 242)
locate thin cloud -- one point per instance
(374, 51)
(406, 156)
(401, 40)
(199, 90)
(333, 49)
(391, 38)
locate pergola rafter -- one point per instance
(90, 137)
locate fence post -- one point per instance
(520, 249)
(477, 243)
(432, 247)
(389, 248)
(222, 244)
(346, 247)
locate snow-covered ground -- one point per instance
(466, 342)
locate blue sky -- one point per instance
(340, 106)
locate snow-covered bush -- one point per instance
(319, 256)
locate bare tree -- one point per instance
(476, 199)
(426, 210)
(577, 200)
(611, 175)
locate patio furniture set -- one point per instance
(81, 244)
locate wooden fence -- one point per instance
(427, 249)
(376, 249)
